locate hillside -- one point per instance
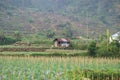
(63, 17)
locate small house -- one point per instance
(61, 42)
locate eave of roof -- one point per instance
(63, 40)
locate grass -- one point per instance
(48, 52)
(57, 68)
(13, 46)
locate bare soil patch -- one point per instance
(23, 49)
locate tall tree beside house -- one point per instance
(50, 34)
(68, 30)
(17, 35)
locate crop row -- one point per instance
(59, 68)
(47, 52)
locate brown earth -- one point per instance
(23, 49)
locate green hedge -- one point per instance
(8, 40)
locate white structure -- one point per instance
(115, 36)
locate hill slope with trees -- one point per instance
(69, 18)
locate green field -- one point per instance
(28, 63)
(59, 68)
(47, 52)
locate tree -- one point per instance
(92, 48)
(68, 30)
(115, 48)
(17, 35)
(50, 34)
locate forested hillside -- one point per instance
(62, 17)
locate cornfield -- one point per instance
(59, 68)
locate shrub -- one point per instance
(7, 40)
(92, 48)
(114, 47)
(109, 50)
(103, 52)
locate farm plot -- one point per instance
(59, 68)
(44, 52)
(23, 49)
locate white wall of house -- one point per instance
(56, 44)
(65, 44)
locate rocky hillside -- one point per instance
(63, 17)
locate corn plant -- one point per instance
(59, 68)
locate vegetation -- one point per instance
(50, 34)
(38, 22)
(34, 16)
(92, 49)
(104, 49)
(112, 50)
(7, 40)
(59, 68)
(37, 52)
(79, 45)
